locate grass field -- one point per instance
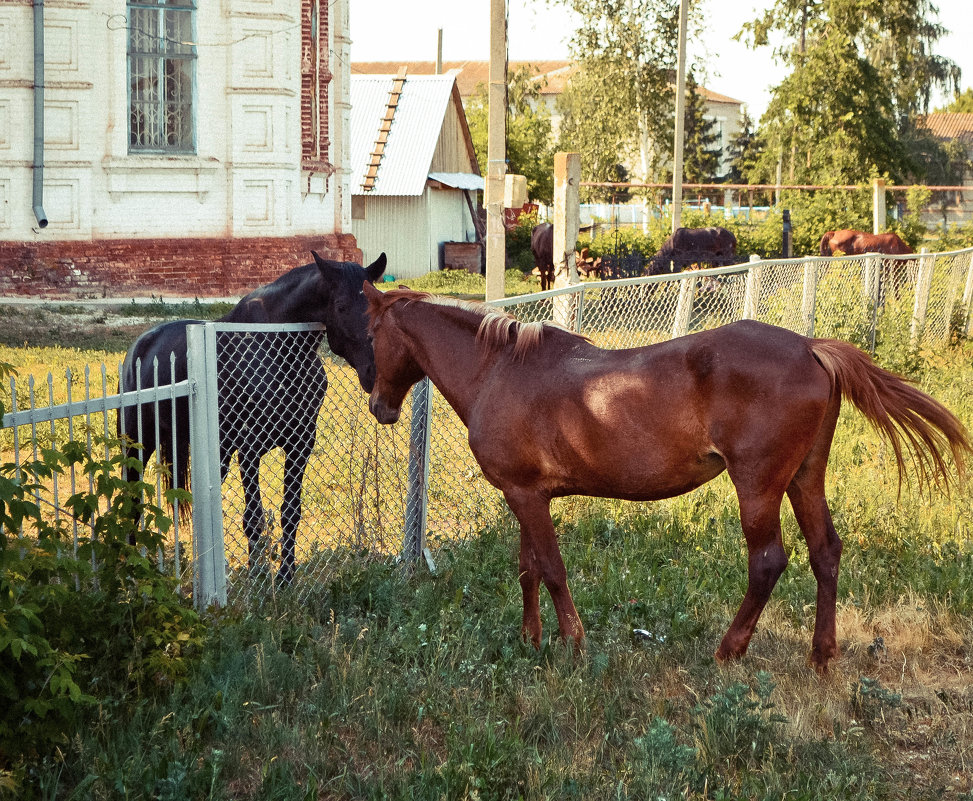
(380, 684)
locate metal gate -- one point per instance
(257, 398)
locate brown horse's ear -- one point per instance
(372, 295)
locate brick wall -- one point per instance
(316, 79)
(202, 268)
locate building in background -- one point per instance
(952, 127)
(188, 149)
(552, 77)
(414, 175)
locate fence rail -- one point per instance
(404, 491)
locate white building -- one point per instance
(184, 148)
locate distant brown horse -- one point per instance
(849, 242)
(647, 423)
(713, 247)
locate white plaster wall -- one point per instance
(245, 178)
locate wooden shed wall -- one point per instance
(397, 226)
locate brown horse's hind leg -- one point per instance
(540, 560)
(806, 494)
(824, 549)
(760, 515)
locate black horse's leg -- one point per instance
(295, 464)
(253, 508)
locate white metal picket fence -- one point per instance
(406, 490)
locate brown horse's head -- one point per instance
(396, 371)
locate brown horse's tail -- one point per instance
(825, 247)
(901, 412)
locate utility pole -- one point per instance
(496, 251)
(677, 147)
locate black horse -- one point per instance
(713, 247)
(270, 386)
(542, 246)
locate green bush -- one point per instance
(80, 623)
(519, 255)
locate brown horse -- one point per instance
(849, 242)
(757, 401)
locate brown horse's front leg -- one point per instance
(540, 560)
(530, 580)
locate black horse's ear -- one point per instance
(318, 260)
(376, 268)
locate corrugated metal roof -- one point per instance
(412, 139)
(458, 180)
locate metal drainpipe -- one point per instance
(38, 194)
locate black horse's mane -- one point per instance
(294, 284)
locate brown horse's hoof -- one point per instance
(528, 637)
(821, 662)
(725, 654)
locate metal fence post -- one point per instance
(751, 291)
(684, 306)
(416, 500)
(579, 314)
(808, 297)
(208, 546)
(968, 298)
(872, 276)
(923, 287)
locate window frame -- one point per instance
(166, 55)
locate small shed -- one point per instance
(414, 175)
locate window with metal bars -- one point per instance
(161, 76)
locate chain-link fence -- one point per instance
(372, 491)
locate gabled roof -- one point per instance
(469, 74)
(552, 76)
(949, 125)
(416, 123)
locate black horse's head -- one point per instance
(344, 315)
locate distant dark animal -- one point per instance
(849, 242)
(542, 246)
(707, 247)
(270, 387)
(653, 422)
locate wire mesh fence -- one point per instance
(378, 492)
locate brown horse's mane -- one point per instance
(497, 328)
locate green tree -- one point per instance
(701, 150)
(962, 102)
(861, 73)
(743, 151)
(530, 150)
(619, 105)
